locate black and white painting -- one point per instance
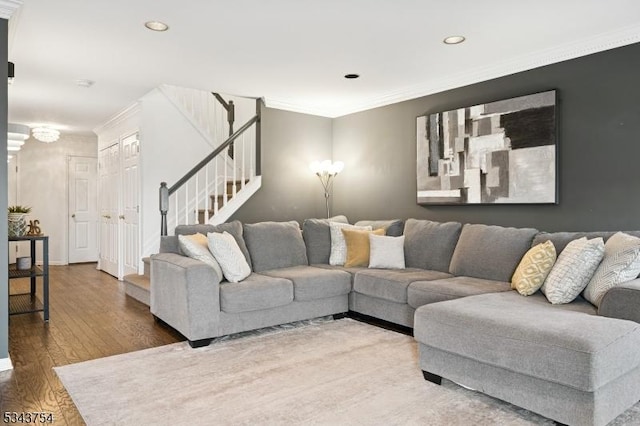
(495, 153)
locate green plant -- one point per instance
(19, 209)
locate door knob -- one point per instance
(121, 216)
(73, 215)
(106, 216)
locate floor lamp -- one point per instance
(326, 171)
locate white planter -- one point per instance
(17, 224)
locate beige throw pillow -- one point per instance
(228, 254)
(196, 246)
(357, 243)
(621, 263)
(534, 268)
(338, 246)
(573, 270)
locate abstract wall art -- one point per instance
(502, 152)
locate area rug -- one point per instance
(340, 372)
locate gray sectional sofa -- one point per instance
(572, 363)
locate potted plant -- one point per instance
(16, 219)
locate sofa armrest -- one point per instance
(622, 301)
(185, 293)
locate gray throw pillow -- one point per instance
(573, 270)
(392, 227)
(275, 245)
(621, 263)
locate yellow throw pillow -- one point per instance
(534, 268)
(358, 246)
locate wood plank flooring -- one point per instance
(90, 317)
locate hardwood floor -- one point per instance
(90, 317)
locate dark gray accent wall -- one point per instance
(4, 301)
(290, 142)
(599, 149)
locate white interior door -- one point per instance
(130, 205)
(109, 186)
(83, 209)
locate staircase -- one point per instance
(220, 183)
(139, 286)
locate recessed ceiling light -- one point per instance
(156, 26)
(351, 76)
(454, 40)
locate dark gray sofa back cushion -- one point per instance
(393, 227)
(489, 251)
(234, 228)
(561, 239)
(317, 238)
(429, 244)
(274, 245)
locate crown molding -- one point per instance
(118, 118)
(8, 8)
(587, 46)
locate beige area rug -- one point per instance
(323, 372)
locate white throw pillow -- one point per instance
(386, 252)
(228, 254)
(196, 246)
(573, 270)
(338, 245)
(621, 263)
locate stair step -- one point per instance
(147, 266)
(138, 287)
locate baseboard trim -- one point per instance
(5, 364)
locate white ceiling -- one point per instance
(293, 53)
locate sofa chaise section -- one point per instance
(561, 361)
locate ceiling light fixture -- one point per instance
(16, 135)
(454, 40)
(45, 134)
(156, 26)
(351, 76)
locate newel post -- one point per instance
(164, 207)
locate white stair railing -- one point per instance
(215, 184)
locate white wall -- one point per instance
(170, 146)
(42, 184)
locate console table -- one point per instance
(24, 303)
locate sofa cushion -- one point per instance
(392, 227)
(392, 284)
(229, 256)
(386, 252)
(275, 245)
(621, 263)
(430, 245)
(234, 228)
(489, 251)
(573, 270)
(255, 293)
(534, 268)
(317, 238)
(351, 270)
(424, 292)
(358, 247)
(310, 283)
(561, 239)
(557, 343)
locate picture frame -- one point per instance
(501, 152)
